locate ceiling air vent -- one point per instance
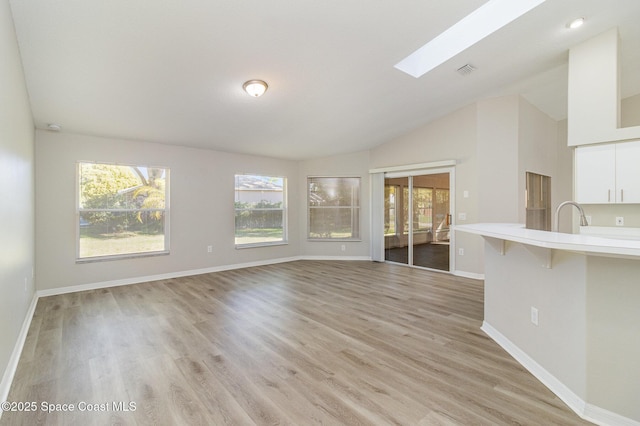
(466, 69)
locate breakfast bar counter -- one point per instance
(567, 307)
(616, 246)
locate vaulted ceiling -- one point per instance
(171, 71)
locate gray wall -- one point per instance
(16, 193)
(498, 165)
(562, 187)
(588, 316)
(201, 208)
(348, 165)
(202, 213)
(515, 283)
(538, 147)
(494, 142)
(453, 137)
(514, 137)
(613, 347)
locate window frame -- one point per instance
(166, 211)
(387, 211)
(351, 207)
(284, 209)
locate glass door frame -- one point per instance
(419, 172)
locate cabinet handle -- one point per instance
(609, 196)
(622, 195)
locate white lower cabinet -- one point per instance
(608, 173)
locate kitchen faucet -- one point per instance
(556, 221)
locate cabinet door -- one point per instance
(628, 172)
(595, 174)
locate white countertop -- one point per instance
(587, 244)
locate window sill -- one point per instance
(121, 257)
(255, 245)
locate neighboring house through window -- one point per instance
(122, 211)
(260, 210)
(334, 208)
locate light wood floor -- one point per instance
(299, 343)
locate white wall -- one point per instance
(347, 165)
(16, 193)
(202, 209)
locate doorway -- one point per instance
(417, 216)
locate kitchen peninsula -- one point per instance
(567, 307)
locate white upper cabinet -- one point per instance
(608, 173)
(628, 172)
(595, 170)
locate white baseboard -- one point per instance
(587, 411)
(147, 278)
(10, 371)
(472, 275)
(603, 417)
(358, 258)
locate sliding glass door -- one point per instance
(417, 218)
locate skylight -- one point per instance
(485, 20)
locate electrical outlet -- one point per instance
(619, 221)
(343, 247)
(534, 315)
(209, 249)
(460, 252)
(462, 216)
(588, 220)
(465, 194)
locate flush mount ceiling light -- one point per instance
(483, 21)
(255, 88)
(54, 126)
(576, 23)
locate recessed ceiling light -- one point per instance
(483, 21)
(255, 88)
(576, 23)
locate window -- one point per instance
(390, 215)
(122, 211)
(422, 209)
(430, 211)
(334, 208)
(260, 210)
